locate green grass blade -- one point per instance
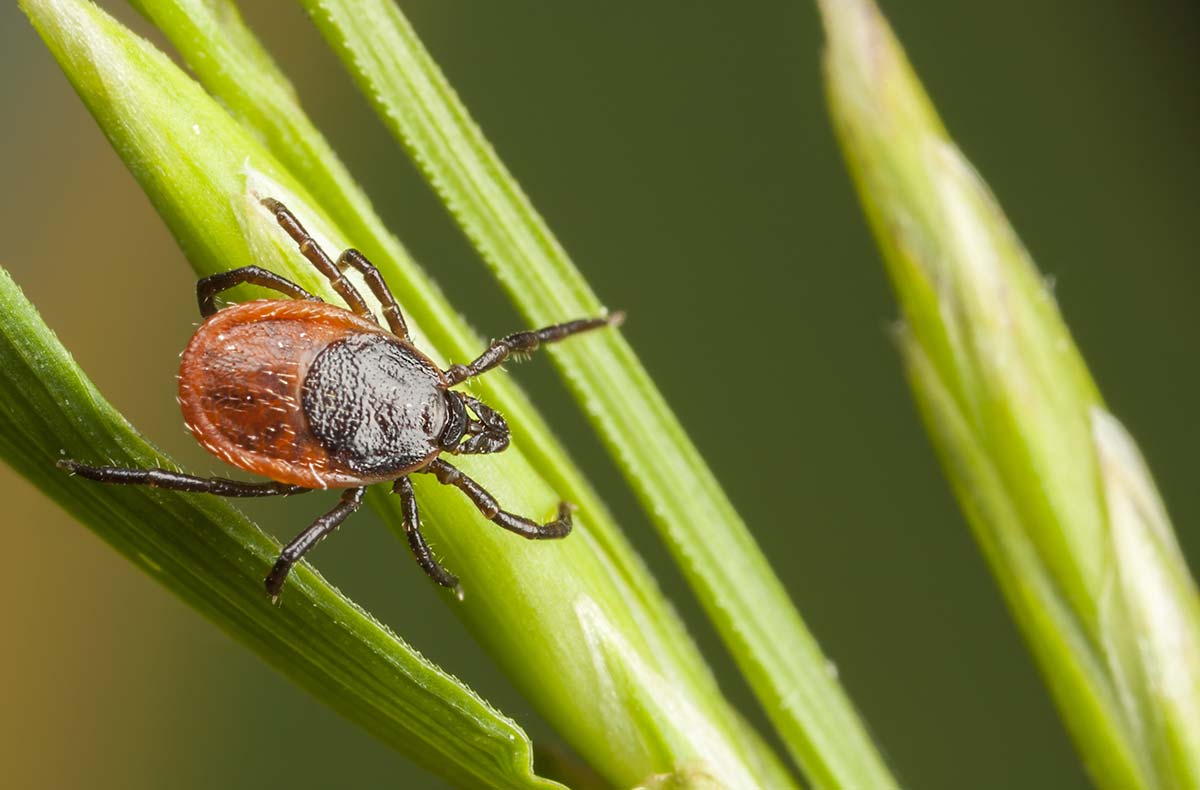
(212, 557)
(558, 616)
(721, 561)
(1056, 491)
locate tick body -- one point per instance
(314, 396)
(310, 394)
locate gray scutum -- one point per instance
(374, 404)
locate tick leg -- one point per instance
(175, 481)
(391, 311)
(490, 508)
(317, 257)
(416, 541)
(208, 287)
(310, 537)
(526, 342)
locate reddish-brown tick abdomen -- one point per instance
(240, 388)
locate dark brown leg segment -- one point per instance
(317, 257)
(310, 537)
(416, 541)
(176, 481)
(208, 287)
(374, 280)
(490, 508)
(526, 342)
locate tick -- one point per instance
(314, 396)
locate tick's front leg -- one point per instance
(527, 342)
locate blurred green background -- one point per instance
(683, 154)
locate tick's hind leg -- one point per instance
(309, 538)
(527, 342)
(416, 541)
(490, 508)
(208, 287)
(374, 280)
(317, 257)
(176, 481)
